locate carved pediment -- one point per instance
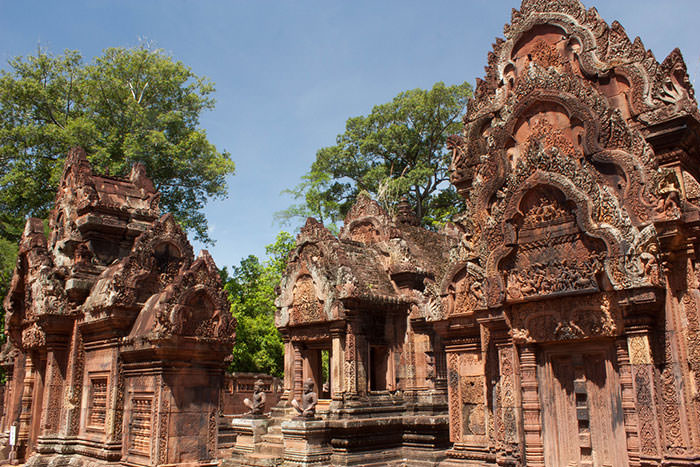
(306, 306)
(157, 257)
(462, 290)
(551, 255)
(193, 305)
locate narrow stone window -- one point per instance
(141, 425)
(98, 403)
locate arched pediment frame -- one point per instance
(306, 296)
(582, 212)
(366, 230)
(461, 290)
(194, 305)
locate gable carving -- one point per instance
(306, 307)
(552, 256)
(193, 305)
(157, 257)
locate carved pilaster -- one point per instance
(25, 417)
(288, 383)
(642, 372)
(532, 427)
(628, 406)
(351, 357)
(508, 400)
(74, 391)
(53, 391)
(298, 382)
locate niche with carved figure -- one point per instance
(544, 45)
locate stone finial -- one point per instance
(139, 178)
(405, 213)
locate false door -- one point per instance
(582, 419)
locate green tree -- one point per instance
(398, 150)
(251, 288)
(127, 105)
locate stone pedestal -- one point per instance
(305, 442)
(249, 432)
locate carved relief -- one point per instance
(561, 261)
(364, 232)
(645, 412)
(473, 405)
(566, 319)
(465, 292)
(507, 395)
(639, 351)
(307, 307)
(454, 397)
(163, 434)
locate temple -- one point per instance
(117, 335)
(554, 323)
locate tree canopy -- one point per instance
(251, 288)
(399, 149)
(127, 105)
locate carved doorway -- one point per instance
(582, 419)
(317, 367)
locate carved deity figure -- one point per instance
(257, 405)
(668, 203)
(307, 408)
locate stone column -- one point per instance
(337, 363)
(298, 378)
(532, 421)
(25, 417)
(288, 383)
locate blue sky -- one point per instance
(289, 74)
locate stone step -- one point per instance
(270, 449)
(258, 459)
(275, 429)
(273, 438)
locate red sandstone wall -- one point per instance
(238, 386)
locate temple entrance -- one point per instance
(378, 365)
(317, 367)
(582, 419)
